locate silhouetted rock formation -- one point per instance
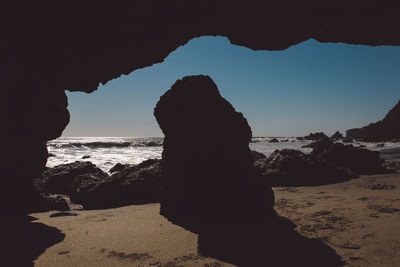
(139, 184)
(274, 140)
(119, 167)
(134, 35)
(289, 167)
(315, 136)
(337, 136)
(385, 130)
(256, 155)
(359, 160)
(59, 178)
(213, 181)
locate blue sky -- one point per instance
(306, 88)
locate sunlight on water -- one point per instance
(105, 152)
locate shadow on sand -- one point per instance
(23, 240)
(273, 244)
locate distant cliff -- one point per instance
(387, 129)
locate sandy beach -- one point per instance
(357, 221)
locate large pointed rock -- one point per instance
(207, 171)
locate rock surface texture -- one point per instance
(139, 184)
(356, 159)
(289, 167)
(45, 52)
(213, 181)
(387, 129)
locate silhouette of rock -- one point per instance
(387, 129)
(132, 185)
(315, 136)
(324, 142)
(289, 167)
(119, 167)
(86, 157)
(69, 55)
(273, 140)
(213, 180)
(337, 136)
(256, 155)
(59, 178)
(359, 160)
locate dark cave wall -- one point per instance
(47, 49)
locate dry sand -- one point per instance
(359, 220)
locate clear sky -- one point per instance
(306, 88)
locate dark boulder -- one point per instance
(315, 136)
(273, 140)
(387, 129)
(289, 167)
(359, 160)
(139, 184)
(86, 157)
(257, 155)
(58, 179)
(321, 143)
(212, 181)
(337, 136)
(119, 167)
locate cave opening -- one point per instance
(309, 87)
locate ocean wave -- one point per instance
(105, 144)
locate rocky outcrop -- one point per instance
(256, 155)
(119, 167)
(337, 136)
(139, 184)
(273, 140)
(289, 167)
(387, 129)
(356, 159)
(212, 181)
(315, 136)
(58, 180)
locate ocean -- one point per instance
(105, 152)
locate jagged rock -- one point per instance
(58, 179)
(337, 136)
(315, 136)
(289, 167)
(213, 180)
(387, 129)
(273, 140)
(139, 184)
(119, 167)
(256, 155)
(86, 157)
(321, 143)
(359, 160)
